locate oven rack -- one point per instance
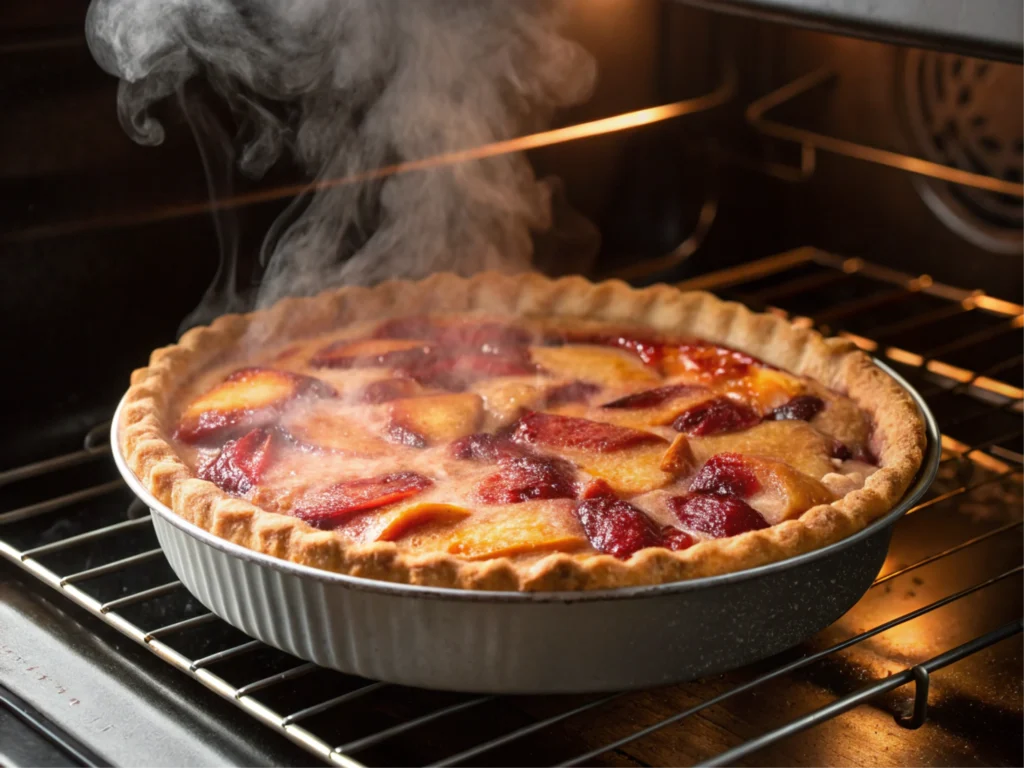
(789, 277)
(811, 141)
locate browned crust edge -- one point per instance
(898, 441)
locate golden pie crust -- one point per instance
(154, 400)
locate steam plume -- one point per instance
(348, 86)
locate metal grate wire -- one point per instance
(999, 456)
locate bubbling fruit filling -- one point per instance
(488, 437)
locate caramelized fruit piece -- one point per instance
(679, 459)
(399, 521)
(530, 528)
(717, 516)
(649, 350)
(324, 426)
(764, 388)
(386, 390)
(793, 442)
(325, 507)
(248, 398)
(506, 400)
(573, 392)
(370, 353)
(629, 471)
(435, 418)
(675, 539)
(578, 434)
(651, 398)
(525, 478)
(800, 408)
(241, 463)
(600, 365)
(727, 474)
(616, 527)
(715, 416)
(705, 361)
(842, 420)
(484, 447)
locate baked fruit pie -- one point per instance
(518, 433)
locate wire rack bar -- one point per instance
(50, 465)
(182, 626)
(230, 653)
(388, 733)
(845, 704)
(280, 677)
(141, 597)
(323, 706)
(82, 538)
(34, 510)
(114, 567)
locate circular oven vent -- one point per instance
(966, 113)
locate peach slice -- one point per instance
(533, 527)
(703, 361)
(793, 442)
(600, 365)
(435, 418)
(248, 398)
(572, 433)
(765, 388)
(505, 400)
(326, 507)
(629, 471)
(400, 521)
(241, 463)
(679, 459)
(654, 407)
(326, 427)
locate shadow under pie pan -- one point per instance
(529, 642)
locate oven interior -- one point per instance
(848, 182)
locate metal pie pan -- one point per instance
(529, 642)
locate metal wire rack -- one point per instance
(67, 541)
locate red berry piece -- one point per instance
(714, 417)
(525, 478)
(484, 447)
(800, 408)
(596, 489)
(400, 435)
(652, 398)
(726, 474)
(675, 539)
(573, 392)
(616, 527)
(717, 516)
(326, 507)
(581, 434)
(241, 463)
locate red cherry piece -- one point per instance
(582, 434)
(525, 478)
(573, 392)
(717, 516)
(484, 447)
(714, 417)
(675, 539)
(598, 488)
(800, 408)
(326, 507)
(386, 390)
(726, 474)
(652, 398)
(616, 527)
(241, 463)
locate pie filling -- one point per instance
(490, 437)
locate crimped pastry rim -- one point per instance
(921, 483)
(836, 363)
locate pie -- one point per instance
(519, 433)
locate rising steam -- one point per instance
(348, 86)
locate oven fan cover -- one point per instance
(967, 113)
